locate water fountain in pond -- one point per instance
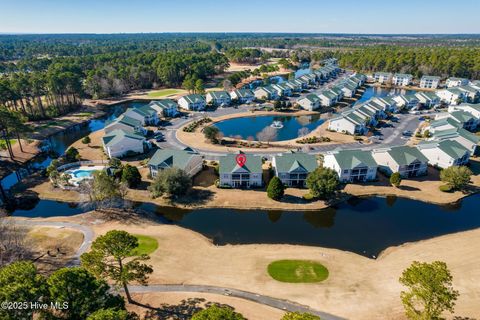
(277, 125)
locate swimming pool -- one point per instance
(81, 173)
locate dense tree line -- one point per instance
(444, 62)
(53, 86)
(245, 55)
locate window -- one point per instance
(345, 171)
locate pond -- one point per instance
(59, 142)
(365, 226)
(372, 92)
(290, 127)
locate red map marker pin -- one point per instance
(241, 159)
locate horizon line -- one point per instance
(237, 32)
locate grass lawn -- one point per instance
(297, 271)
(83, 114)
(146, 245)
(52, 123)
(3, 145)
(163, 93)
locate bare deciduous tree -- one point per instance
(302, 132)
(267, 134)
(13, 243)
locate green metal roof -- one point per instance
(461, 116)
(471, 105)
(244, 93)
(127, 121)
(219, 94)
(428, 94)
(405, 155)
(118, 135)
(328, 94)
(403, 75)
(165, 103)
(450, 147)
(312, 98)
(444, 121)
(430, 78)
(194, 98)
(296, 162)
(267, 89)
(228, 164)
(453, 133)
(350, 159)
(144, 111)
(172, 158)
(468, 88)
(455, 91)
(352, 117)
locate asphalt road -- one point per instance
(265, 300)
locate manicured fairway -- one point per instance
(163, 93)
(297, 271)
(146, 245)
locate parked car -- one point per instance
(407, 133)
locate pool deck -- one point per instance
(76, 180)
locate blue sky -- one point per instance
(332, 16)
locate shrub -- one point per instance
(313, 139)
(72, 154)
(194, 125)
(308, 197)
(115, 163)
(275, 189)
(322, 182)
(211, 133)
(299, 316)
(131, 176)
(217, 313)
(445, 188)
(52, 166)
(457, 177)
(86, 140)
(171, 181)
(395, 179)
